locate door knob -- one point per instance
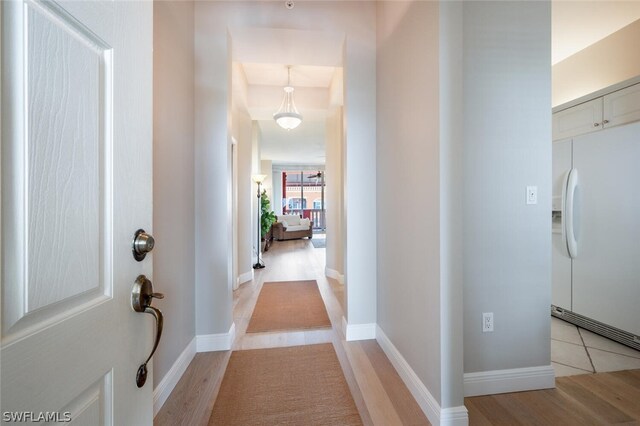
(141, 297)
(142, 244)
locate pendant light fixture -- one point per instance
(288, 116)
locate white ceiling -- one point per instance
(579, 24)
(276, 75)
(280, 46)
(302, 145)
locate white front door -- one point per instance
(76, 185)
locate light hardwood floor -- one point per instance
(379, 393)
(589, 399)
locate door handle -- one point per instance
(572, 185)
(563, 212)
(141, 297)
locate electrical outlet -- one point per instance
(487, 322)
(532, 195)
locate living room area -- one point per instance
(299, 206)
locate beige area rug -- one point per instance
(298, 385)
(289, 305)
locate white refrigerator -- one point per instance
(596, 231)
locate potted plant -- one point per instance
(267, 218)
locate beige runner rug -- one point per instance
(289, 305)
(299, 385)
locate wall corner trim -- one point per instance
(354, 332)
(245, 277)
(170, 380)
(452, 416)
(511, 380)
(216, 342)
(332, 273)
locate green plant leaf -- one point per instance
(267, 217)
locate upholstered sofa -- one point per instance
(291, 226)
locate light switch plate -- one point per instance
(532, 195)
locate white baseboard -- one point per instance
(358, 331)
(216, 342)
(170, 380)
(454, 416)
(246, 277)
(332, 273)
(512, 380)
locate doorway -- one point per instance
(303, 193)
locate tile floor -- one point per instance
(575, 350)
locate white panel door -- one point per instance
(606, 271)
(560, 260)
(76, 185)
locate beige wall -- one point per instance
(242, 132)
(451, 174)
(408, 184)
(612, 60)
(334, 184)
(173, 185)
(256, 136)
(457, 182)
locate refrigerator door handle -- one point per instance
(572, 184)
(563, 227)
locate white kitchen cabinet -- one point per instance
(578, 120)
(614, 109)
(622, 106)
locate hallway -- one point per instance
(380, 395)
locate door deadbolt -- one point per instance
(142, 244)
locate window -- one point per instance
(294, 204)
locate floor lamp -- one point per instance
(259, 179)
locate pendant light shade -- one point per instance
(288, 116)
